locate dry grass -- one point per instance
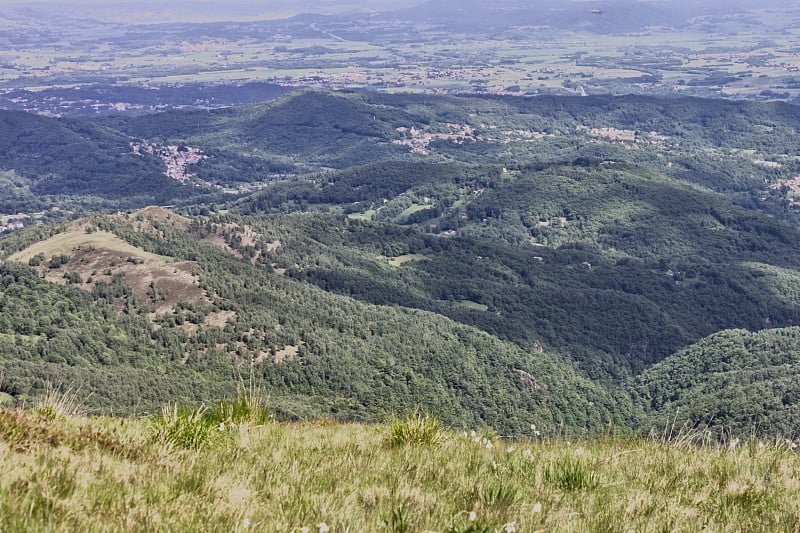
(98, 256)
(69, 241)
(283, 477)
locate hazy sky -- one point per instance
(137, 11)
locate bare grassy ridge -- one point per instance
(92, 474)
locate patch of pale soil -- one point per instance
(219, 319)
(287, 353)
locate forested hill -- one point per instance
(150, 308)
(492, 259)
(615, 266)
(739, 381)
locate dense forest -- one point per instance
(578, 263)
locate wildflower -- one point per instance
(579, 451)
(222, 426)
(323, 527)
(511, 527)
(510, 449)
(473, 516)
(527, 454)
(533, 427)
(472, 433)
(761, 445)
(246, 523)
(537, 507)
(489, 445)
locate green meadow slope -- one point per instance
(193, 471)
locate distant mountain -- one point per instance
(607, 17)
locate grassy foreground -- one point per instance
(189, 472)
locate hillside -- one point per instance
(490, 258)
(185, 472)
(746, 151)
(615, 266)
(154, 297)
(736, 380)
(70, 157)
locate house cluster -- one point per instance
(11, 226)
(12, 222)
(176, 158)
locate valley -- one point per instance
(556, 251)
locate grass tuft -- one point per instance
(418, 428)
(249, 408)
(498, 498)
(58, 404)
(185, 428)
(398, 521)
(571, 474)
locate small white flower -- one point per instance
(473, 516)
(246, 523)
(472, 433)
(537, 507)
(323, 527)
(527, 454)
(579, 451)
(510, 449)
(533, 427)
(489, 445)
(761, 445)
(511, 527)
(222, 426)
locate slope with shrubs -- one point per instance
(192, 470)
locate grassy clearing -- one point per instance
(475, 306)
(403, 259)
(94, 474)
(68, 242)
